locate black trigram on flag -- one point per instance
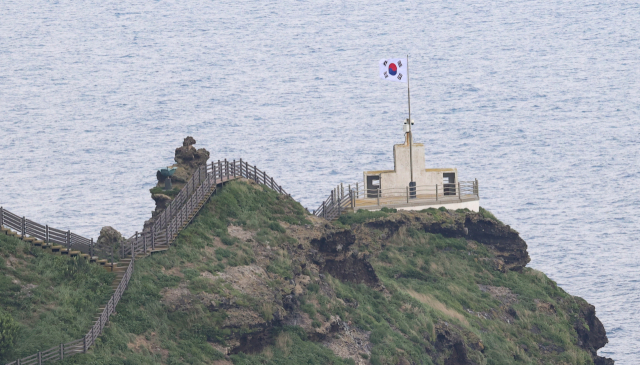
(393, 69)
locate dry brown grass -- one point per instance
(432, 302)
(284, 343)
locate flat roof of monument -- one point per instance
(375, 172)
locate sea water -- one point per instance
(538, 100)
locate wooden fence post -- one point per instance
(378, 195)
(407, 195)
(215, 178)
(272, 184)
(1, 217)
(264, 177)
(226, 166)
(24, 224)
(255, 173)
(61, 351)
(144, 242)
(84, 344)
(153, 238)
(353, 202)
(241, 168)
(324, 210)
(39, 358)
(459, 192)
(436, 192)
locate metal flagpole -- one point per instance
(411, 184)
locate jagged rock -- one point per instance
(188, 159)
(592, 336)
(188, 155)
(109, 237)
(161, 201)
(188, 141)
(504, 241)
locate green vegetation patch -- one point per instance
(438, 283)
(45, 299)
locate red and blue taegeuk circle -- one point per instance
(393, 69)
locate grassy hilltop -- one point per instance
(255, 279)
(45, 299)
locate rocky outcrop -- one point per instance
(501, 239)
(507, 245)
(591, 333)
(110, 237)
(188, 159)
(334, 257)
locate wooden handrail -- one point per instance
(168, 224)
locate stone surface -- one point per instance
(110, 237)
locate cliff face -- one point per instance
(255, 279)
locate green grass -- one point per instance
(431, 282)
(184, 334)
(52, 298)
(436, 280)
(487, 214)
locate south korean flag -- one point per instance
(393, 69)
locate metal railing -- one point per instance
(165, 229)
(355, 197)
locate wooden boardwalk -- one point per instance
(166, 227)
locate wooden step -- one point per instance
(56, 248)
(64, 251)
(29, 239)
(74, 253)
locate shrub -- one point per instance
(8, 333)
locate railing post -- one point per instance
(436, 192)
(378, 196)
(341, 191)
(407, 195)
(166, 234)
(353, 203)
(84, 344)
(264, 177)
(91, 249)
(46, 233)
(69, 240)
(61, 351)
(24, 224)
(144, 242)
(477, 191)
(357, 190)
(153, 238)
(324, 210)
(1, 217)
(39, 358)
(272, 184)
(241, 168)
(459, 192)
(255, 173)
(226, 166)
(233, 166)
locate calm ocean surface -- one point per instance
(538, 100)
